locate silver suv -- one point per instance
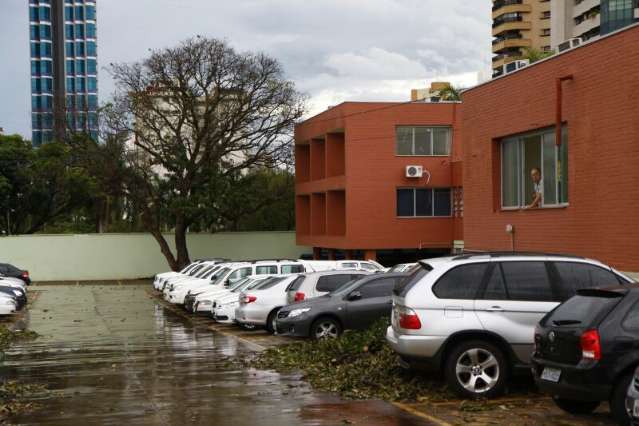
(473, 316)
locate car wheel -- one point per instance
(326, 328)
(271, 320)
(618, 400)
(476, 369)
(576, 407)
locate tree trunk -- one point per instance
(166, 250)
(180, 244)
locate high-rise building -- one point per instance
(64, 69)
(518, 25)
(589, 19)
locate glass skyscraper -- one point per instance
(64, 68)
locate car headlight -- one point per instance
(298, 312)
(17, 293)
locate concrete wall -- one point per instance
(128, 256)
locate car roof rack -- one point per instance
(512, 254)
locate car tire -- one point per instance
(270, 321)
(325, 327)
(618, 400)
(476, 369)
(576, 407)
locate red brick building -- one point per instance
(351, 170)
(591, 181)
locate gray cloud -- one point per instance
(334, 50)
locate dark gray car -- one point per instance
(355, 306)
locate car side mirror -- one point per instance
(356, 295)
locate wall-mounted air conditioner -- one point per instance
(414, 171)
(515, 65)
(571, 43)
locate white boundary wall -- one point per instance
(129, 256)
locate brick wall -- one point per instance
(601, 111)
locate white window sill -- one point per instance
(553, 207)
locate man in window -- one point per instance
(538, 188)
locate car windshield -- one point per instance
(416, 274)
(583, 310)
(348, 287)
(204, 271)
(245, 284)
(195, 270)
(217, 277)
(269, 282)
(240, 283)
(210, 272)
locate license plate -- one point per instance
(635, 408)
(551, 374)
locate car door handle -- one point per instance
(495, 309)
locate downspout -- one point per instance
(559, 99)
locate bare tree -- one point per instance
(197, 114)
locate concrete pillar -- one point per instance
(370, 255)
(317, 253)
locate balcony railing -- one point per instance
(497, 22)
(501, 3)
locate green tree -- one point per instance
(198, 115)
(534, 55)
(451, 93)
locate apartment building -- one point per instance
(518, 25)
(380, 180)
(589, 19)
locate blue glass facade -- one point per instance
(64, 70)
(616, 14)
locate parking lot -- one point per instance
(112, 354)
(116, 353)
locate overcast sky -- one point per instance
(335, 50)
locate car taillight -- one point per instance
(249, 299)
(591, 345)
(409, 320)
(299, 296)
(25, 274)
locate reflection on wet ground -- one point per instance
(111, 355)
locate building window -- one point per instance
(45, 32)
(79, 49)
(46, 68)
(68, 13)
(92, 84)
(33, 14)
(35, 32)
(423, 202)
(45, 13)
(80, 67)
(69, 50)
(90, 12)
(46, 85)
(70, 67)
(79, 13)
(68, 32)
(79, 31)
(419, 140)
(92, 66)
(91, 32)
(520, 155)
(71, 85)
(92, 49)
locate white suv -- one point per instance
(473, 316)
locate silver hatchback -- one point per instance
(473, 316)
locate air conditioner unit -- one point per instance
(515, 65)
(569, 44)
(414, 171)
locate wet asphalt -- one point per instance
(111, 355)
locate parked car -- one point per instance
(330, 265)
(259, 306)
(317, 284)
(159, 279)
(8, 270)
(587, 350)
(17, 293)
(354, 306)
(632, 399)
(177, 291)
(201, 302)
(191, 270)
(224, 307)
(228, 274)
(8, 304)
(473, 316)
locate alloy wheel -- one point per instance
(326, 329)
(477, 370)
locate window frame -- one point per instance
(432, 202)
(523, 174)
(432, 141)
